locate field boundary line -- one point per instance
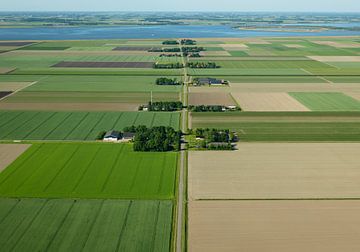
(277, 199)
(77, 125)
(93, 223)
(155, 226)
(62, 167)
(30, 223)
(85, 170)
(93, 128)
(120, 154)
(306, 71)
(10, 210)
(117, 120)
(21, 164)
(16, 116)
(123, 227)
(136, 173)
(60, 226)
(28, 120)
(48, 118)
(162, 174)
(55, 128)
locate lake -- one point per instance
(147, 32)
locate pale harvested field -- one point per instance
(9, 152)
(354, 95)
(274, 226)
(4, 70)
(268, 102)
(338, 44)
(277, 171)
(294, 46)
(70, 106)
(13, 86)
(215, 53)
(234, 47)
(336, 58)
(211, 99)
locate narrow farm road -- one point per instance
(181, 186)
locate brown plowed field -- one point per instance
(13, 86)
(277, 171)
(9, 152)
(211, 99)
(274, 226)
(268, 102)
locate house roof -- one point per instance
(128, 135)
(112, 134)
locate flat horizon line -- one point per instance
(183, 11)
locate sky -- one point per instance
(183, 5)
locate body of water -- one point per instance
(148, 32)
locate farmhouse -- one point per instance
(209, 81)
(128, 136)
(112, 136)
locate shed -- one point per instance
(112, 136)
(127, 136)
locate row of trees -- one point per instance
(175, 49)
(165, 106)
(170, 55)
(188, 42)
(170, 42)
(167, 82)
(158, 139)
(193, 49)
(176, 65)
(202, 65)
(206, 108)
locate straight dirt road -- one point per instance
(181, 186)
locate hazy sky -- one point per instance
(181, 5)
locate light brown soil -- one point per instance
(354, 95)
(215, 53)
(4, 70)
(338, 44)
(277, 171)
(71, 106)
(9, 152)
(234, 47)
(274, 226)
(336, 58)
(268, 102)
(211, 99)
(13, 86)
(294, 46)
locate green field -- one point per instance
(34, 125)
(93, 171)
(89, 97)
(100, 84)
(85, 225)
(278, 126)
(327, 101)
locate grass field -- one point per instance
(100, 84)
(280, 226)
(327, 101)
(276, 171)
(35, 125)
(85, 225)
(296, 126)
(97, 170)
